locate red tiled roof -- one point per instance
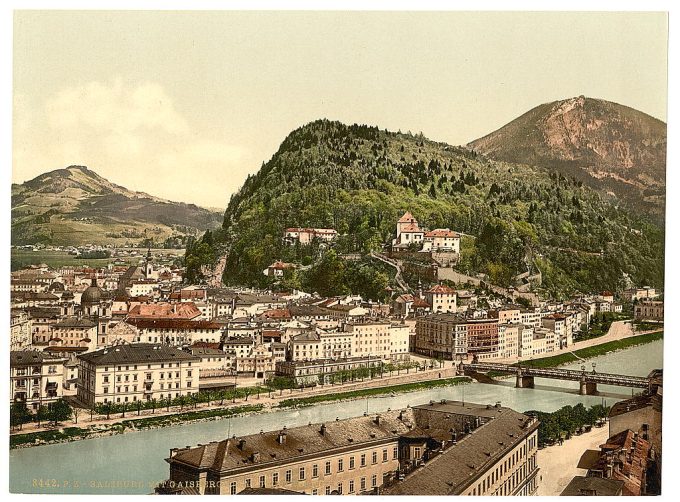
(441, 289)
(186, 310)
(407, 217)
(276, 314)
(172, 324)
(411, 228)
(441, 232)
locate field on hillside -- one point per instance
(21, 258)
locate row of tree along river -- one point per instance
(133, 463)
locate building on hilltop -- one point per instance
(305, 236)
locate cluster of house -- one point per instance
(411, 234)
(83, 320)
(629, 461)
(440, 448)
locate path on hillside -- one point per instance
(393, 263)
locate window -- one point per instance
(302, 474)
(289, 476)
(339, 488)
(385, 455)
(395, 453)
(315, 491)
(275, 480)
(417, 452)
(363, 484)
(363, 460)
(374, 481)
(351, 463)
(232, 488)
(328, 490)
(328, 467)
(340, 466)
(315, 471)
(247, 483)
(351, 486)
(374, 457)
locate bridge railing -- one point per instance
(562, 374)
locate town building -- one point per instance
(305, 236)
(649, 310)
(441, 239)
(465, 448)
(441, 299)
(136, 372)
(408, 232)
(36, 378)
(20, 330)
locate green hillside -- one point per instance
(359, 180)
(76, 206)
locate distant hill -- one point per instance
(606, 145)
(359, 180)
(75, 206)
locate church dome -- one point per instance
(56, 286)
(93, 294)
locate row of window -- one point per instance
(148, 366)
(134, 387)
(328, 490)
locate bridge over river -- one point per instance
(525, 376)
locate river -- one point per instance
(132, 463)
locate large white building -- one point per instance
(128, 373)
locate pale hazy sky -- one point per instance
(184, 105)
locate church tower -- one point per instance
(148, 266)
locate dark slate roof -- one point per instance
(206, 351)
(451, 472)
(28, 357)
(75, 323)
(136, 353)
(582, 485)
(228, 455)
(628, 405)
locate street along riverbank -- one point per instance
(352, 391)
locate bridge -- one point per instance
(525, 376)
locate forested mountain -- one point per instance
(360, 179)
(75, 206)
(606, 145)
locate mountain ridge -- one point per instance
(611, 147)
(359, 179)
(77, 202)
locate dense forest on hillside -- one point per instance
(360, 180)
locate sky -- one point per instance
(184, 105)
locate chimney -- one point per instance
(255, 457)
(282, 437)
(377, 420)
(323, 429)
(241, 444)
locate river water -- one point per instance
(133, 463)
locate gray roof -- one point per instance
(459, 466)
(582, 485)
(136, 353)
(206, 351)
(28, 357)
(228, 455)
(74, 322)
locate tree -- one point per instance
(42, 414)
(19, 414)
(59, 411)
